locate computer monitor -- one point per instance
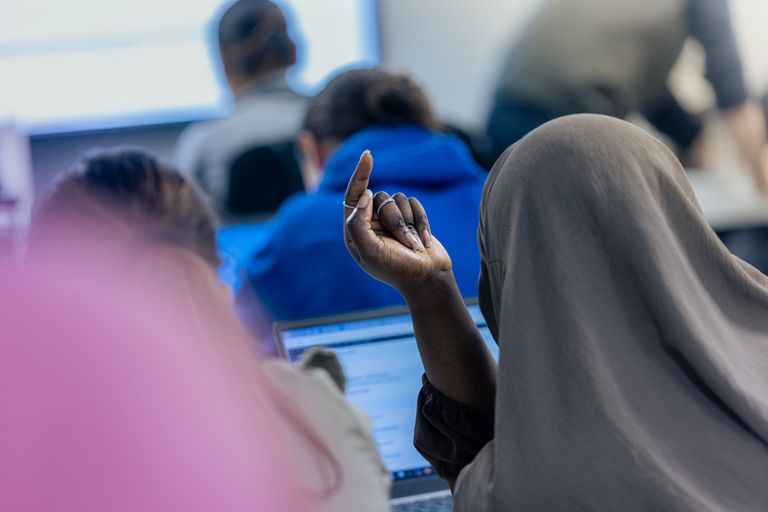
(378, 352)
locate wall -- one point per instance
(750, 18)
(452, 47)
(53, 153)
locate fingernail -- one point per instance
(416, 244)
(364, 199)
(427, 238)
(366, 152)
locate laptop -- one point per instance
(378, 352)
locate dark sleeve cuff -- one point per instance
(671, 119)
(448, 433)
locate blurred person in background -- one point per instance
(303, 270)
(614, 57)
(142, 234)
(256, 51)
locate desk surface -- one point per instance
(729, 201)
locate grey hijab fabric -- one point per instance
(633, 373)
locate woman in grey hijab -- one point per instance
(633, 369)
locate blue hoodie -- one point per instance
(304, 269)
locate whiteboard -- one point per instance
(82, 64)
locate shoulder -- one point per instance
(303, 228)
(255, 122)
(190, 145)
(294, 378)
(269, 117)
(318, 396)
(309, 217)
(344, 429)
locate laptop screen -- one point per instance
(383, 369)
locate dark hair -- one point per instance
(135, 187)
(364, 97)
(253, 38)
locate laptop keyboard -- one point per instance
(434, 504)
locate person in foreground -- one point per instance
(633, 369)
(128, 383)
(298, 272)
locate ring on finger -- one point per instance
(386, 201)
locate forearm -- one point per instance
(455, 357)
(747, 124)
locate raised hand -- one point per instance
(389, 236)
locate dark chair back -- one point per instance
(479, 144)
(262, 178)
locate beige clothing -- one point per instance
(345, 430)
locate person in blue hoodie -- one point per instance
(304, 270)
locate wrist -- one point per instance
(440, 286)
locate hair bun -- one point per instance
(394, 100)
(359, 98)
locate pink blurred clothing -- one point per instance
(135, 390)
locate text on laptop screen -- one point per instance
(383, 369)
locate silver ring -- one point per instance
(386, 201)
(347, 206)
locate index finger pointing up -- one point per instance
(358, 183)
